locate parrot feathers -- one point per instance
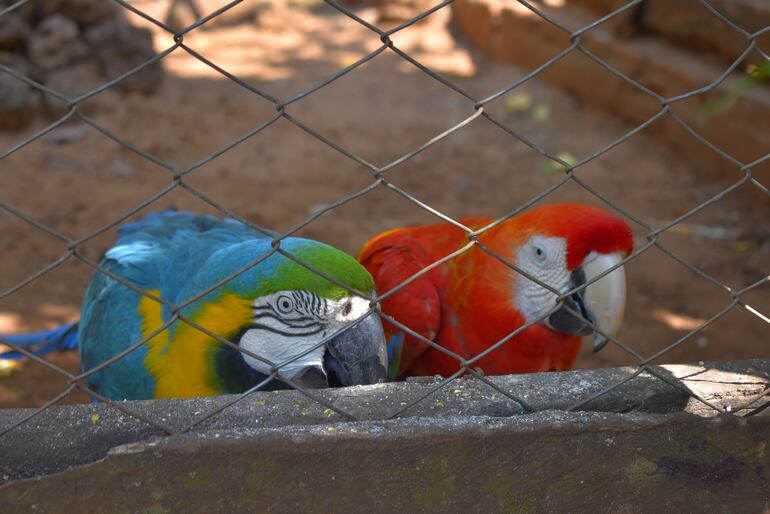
(416, 305)
(474, 301)
(64, 337)
(222, 273)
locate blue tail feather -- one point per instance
(61, 338)
(395, 347)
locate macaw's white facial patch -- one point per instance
(291, 323)
(603, 300)
(544, 258)
(347, 310)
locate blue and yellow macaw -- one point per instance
(277, 309)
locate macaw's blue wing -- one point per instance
(162, 250)
(158, 254)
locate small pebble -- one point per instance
(63, 163)
(121, 169)
(66, 134)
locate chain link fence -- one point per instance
(476, 108)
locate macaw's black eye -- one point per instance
(539, 253)
(285, 305)
(347, 308)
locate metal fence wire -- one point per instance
(379, 179)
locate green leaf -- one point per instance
(542, 112)
(550, 166)
(521, 101)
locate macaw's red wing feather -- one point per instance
(393, 257)
(415, 305)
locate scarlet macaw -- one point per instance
(474, 300)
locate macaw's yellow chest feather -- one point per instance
(181, 358)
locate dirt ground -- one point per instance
(379, 112)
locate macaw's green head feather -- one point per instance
(321, 330)
(280, 273)
(336, 264)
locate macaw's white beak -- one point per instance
(605, 299)
(600, 304)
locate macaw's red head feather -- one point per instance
(585, 228)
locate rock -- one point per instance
(74, 81)
(64, 163)
(624, 24)
(73, 47)
(55, 43)
(182, 13)
(18, 102)
(13, 32)
(528, 42)
(16, 62)
(121, 168)
(119, 47)
(690, 24)
(245, 12)
(395, 10)
(403, 10)
(66, 134)
(84, 12)
(25, 12)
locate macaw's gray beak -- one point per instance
(358, 355)
(601, 303)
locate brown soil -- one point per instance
(379, 112)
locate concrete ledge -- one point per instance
(544, 462)
(62, 437)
